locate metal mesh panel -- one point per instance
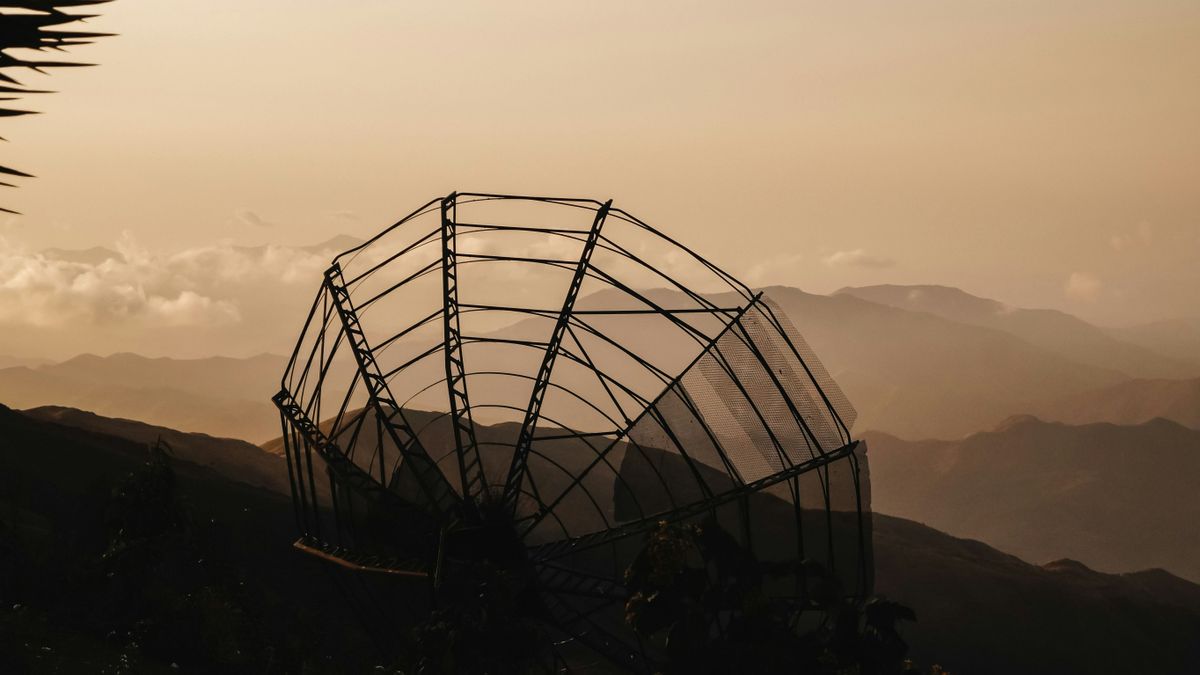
(819, 375)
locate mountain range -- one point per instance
(218, 396)
(1179, 337)
(917, 362)
(1115, 497)
(1131, 402)
(1048, 329)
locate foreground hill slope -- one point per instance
(1115, 497)
(980, 611)
(984, 612)
(276, 610)
(234, 459)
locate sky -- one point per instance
(1043, 154)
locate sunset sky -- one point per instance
(1042, 153)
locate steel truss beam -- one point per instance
(349, 473)
(470, 466)
(438, 494)
(516, 472)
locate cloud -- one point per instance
(201, 286)
(252, 219)
(779, 269)
(1083, 287)
(1139, 237)
(857, 258)
(351, 216)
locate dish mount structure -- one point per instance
(538, 384)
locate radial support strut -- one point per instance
(470, 467)
(436, 490)
(516, 472)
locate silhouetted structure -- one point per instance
(488, 382)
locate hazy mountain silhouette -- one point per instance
(919, 375)
(218, 395)
(1131, 402)
(1049, 329)
(909, 373)
(17, 361)
(1176, 337)
(1115, 497)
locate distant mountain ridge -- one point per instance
(1114, 497)
(220, 396)
(1131, 402)
(908, 372)
(919, 375)
(1179, 338)
(1049, 329)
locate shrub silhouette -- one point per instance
(686, 576)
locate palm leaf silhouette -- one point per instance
(35, 25)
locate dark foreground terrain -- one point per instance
(93, 579)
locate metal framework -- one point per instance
(555, 377)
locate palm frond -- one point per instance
(31, 25)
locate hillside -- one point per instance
(1114, 497)
(1048, 329)
(984, 612)
(234, 459)
(247, 601)
(1131, 402)
(973, 602)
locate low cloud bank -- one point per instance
(196, 287)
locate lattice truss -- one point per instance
(567, 364)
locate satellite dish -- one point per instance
(538, 385)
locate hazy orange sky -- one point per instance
(1042, 153)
